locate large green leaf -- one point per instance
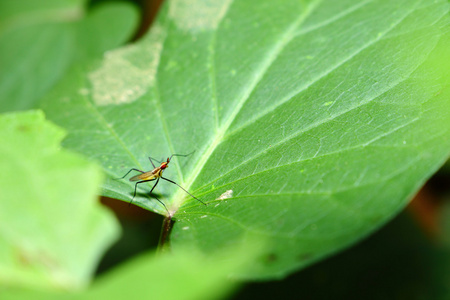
(52, 231)
(40, 39)
(313, 122)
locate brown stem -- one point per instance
(149, 11)
(164, 242)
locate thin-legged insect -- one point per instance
(156, 174)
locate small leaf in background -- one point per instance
(52, 229)
(313, 122)
(185, 275)
(39, 40)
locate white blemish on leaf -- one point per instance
(185, 228)
(127, 73)
(196, 15)
(226, 195)
(204, 216)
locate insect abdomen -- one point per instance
(143, 176)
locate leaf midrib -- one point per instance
(316, 124)
(286, 37)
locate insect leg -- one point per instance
(184, 190)
(135, 187)
(129, 173)
(184, 155)
(161, 203)
(157, 180)
(151, 160)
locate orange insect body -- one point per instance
(156, 174)
(151, 175)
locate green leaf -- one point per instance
(312, 122)
(52, 230)
(185, 275)
(39, 40)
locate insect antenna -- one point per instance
(184, 190)
(183, 155)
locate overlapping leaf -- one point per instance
(52, 231)
(39, 40)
